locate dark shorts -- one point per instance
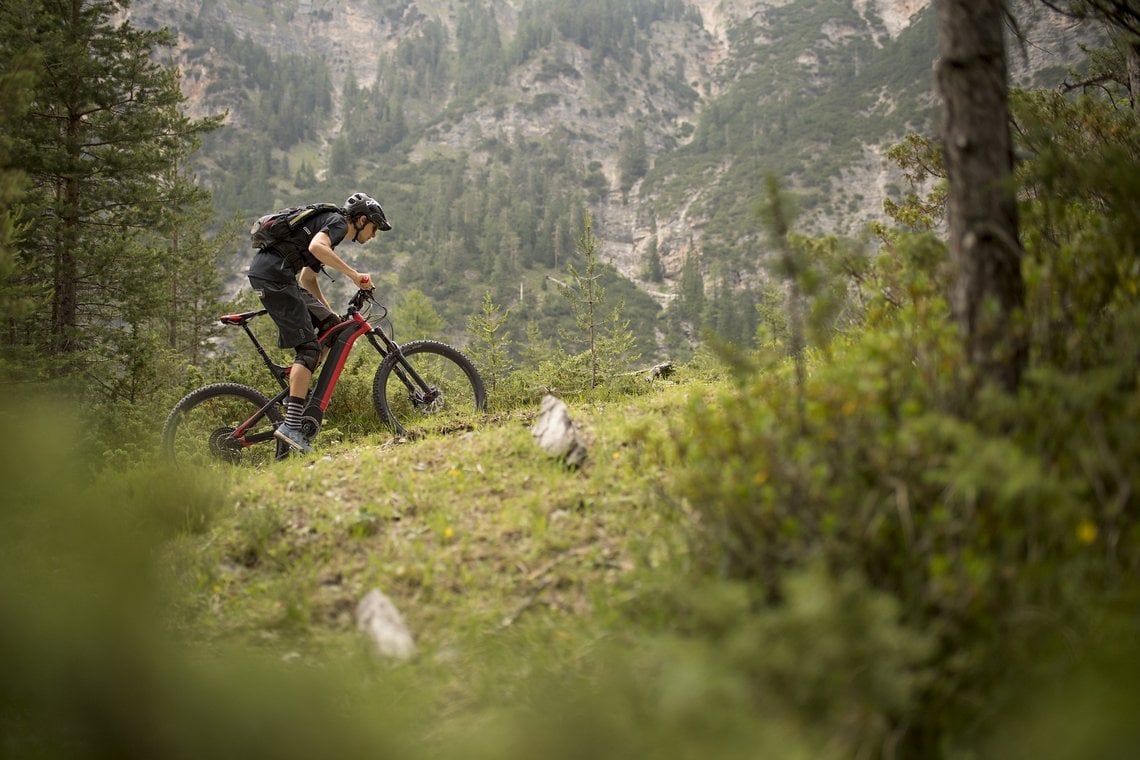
(296, 312)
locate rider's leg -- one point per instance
(299, 377)
(283, 300)
(324, 318)
(308, 354)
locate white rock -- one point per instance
(378, 617)
(556, 433)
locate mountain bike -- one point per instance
(420, 387)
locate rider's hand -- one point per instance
(364, 281)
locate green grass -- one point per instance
(189, 607)
(525, 583)
(469, 535)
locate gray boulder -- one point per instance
(379, 619)
(557, 434)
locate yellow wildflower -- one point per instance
(1086, 532)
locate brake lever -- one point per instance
(357, 301)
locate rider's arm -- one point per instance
(310, 283)
(322, 249)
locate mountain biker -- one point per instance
(284, 276)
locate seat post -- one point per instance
(273, 368)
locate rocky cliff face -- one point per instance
(631, 228)
(895, 15)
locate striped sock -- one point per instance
(294, 410)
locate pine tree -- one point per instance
(15, 93)
(305, 178)
(104, 126)
(633, 157)
(585, 293)
(617, 346)
(416, 316)
(1080, 196)
(652, 269)
(490, 347)
(608, 350)
(790, 267)
(341, 163)
(192, 273)
(691, 303)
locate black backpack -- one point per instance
(275, 227)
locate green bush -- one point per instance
(993, 525)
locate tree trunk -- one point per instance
(1132, 58)
(173, 308)
(65, 273)
(989, 292)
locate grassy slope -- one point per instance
(463, 533)
(158, 612)
(515, 574)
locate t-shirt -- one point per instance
(295, 248)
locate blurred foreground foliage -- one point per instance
(91, 667)
(98, 662)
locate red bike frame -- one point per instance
(338, 340)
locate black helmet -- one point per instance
(360, 204)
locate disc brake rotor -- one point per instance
(430, 402)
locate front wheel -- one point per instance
(427, 386)
(224, 422)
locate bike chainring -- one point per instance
(310, 426)
(224, 446)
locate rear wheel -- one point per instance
(201, 427)
(448, 394)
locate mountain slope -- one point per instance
(488, 128)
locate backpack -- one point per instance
(275, 227)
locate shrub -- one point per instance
(993, 525)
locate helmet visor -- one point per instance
(376, 216)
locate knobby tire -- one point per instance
(198, 428)
(457, 391)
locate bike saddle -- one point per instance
(241, 319)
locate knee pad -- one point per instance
(309, 354)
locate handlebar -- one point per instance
(356, 303)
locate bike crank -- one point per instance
(224, 446)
